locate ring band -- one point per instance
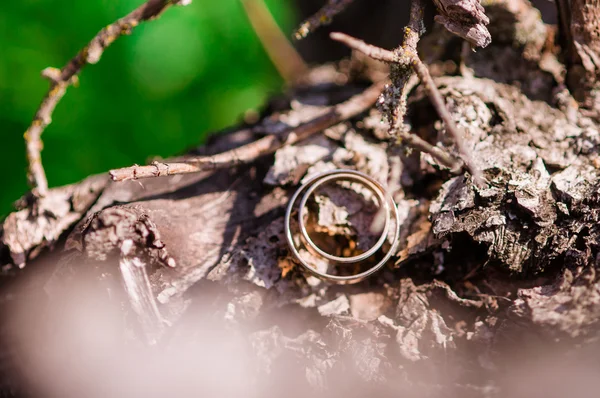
(385, 201)
(346, 176)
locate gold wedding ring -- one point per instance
(386, 202)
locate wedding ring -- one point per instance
(386, 204)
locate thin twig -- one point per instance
(369, 50)
(321, 17)
(434, 94)
(440, 106)
(401, 73)
(284, 56)
(442, 156)
(61, 79)
(266, 145)
(415, 28)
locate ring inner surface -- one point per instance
(379, 197)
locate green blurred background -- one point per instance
(193, 71)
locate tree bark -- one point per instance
(584, 71)
(191, 275)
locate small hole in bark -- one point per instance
(580, 243)
(496, 118)
(552, 169)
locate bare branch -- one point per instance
(440, 106)
(416, 27)
(369, 50)
(381, 54)
(266, 145)
(401, 58)
(400, 71)
(322, 17)
(442, 156)
(284, 56)
(61, 79)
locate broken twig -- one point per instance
(266, 145)
(61, 79)
(377, 53)
(322, 17)
(442, 156)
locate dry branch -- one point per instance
(61, 79)
(322, 17)
(416, 142)
(284, 56)
(402, 60)
(401, 74)
(438, 103)
(377, 53)
(416, 26)
(266, 145)
(434, 94)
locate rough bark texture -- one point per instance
(584, 72)
(492, 286)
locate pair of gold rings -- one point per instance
(386, 204)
